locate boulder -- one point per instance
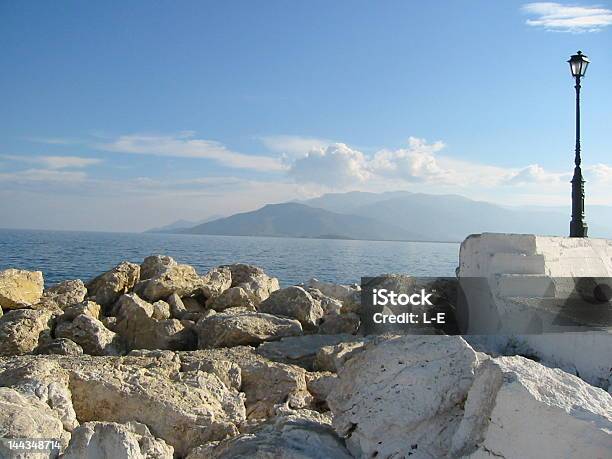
(21, 329)
(267, 384)
(25, 416)
(161, 310)
(330, 305)
(109, 286)
(91, 335)
(300, 350)
(140, 330)
(332, 358)
(216, 281)
(235, 297)
(60, 346)
(403, 396)
(253, 280)
(349, 295)
(180, 279)
(294, 302)
(519, 408)
(226, 329)
(320, 385)
(97, 440)
(228, 372)
(184, 409)
(299, 434)
(177, 307)
(89, 308)
(48, 382)
(20, 288)
(334, 324)
(64, 294)
(155, 265)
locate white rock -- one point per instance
(294, 302)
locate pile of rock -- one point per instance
(157, 361)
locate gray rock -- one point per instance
(235, 297)
(180, 279)
(91, 335)
(21, 329)
(155, 265)
(216, 281)
(161, 310)
(64, 294)
(109, 286)
(89, 308)
(334, 324)
(60, 346)
(225, 329)
(255, 282)
(294, 302)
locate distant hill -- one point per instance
(397, 215)
(299, 220)
(181, 224)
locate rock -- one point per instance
(320, 385)
(216, 281)
(20, 288)
(86, 307)
(64, 294)
(348, 295)
(332, 358)
(60, 346)
(255, 282)
(139, 330)
(225, 329)
(98, 440)
(193, 305)
(180, 279)
(155, 265)
(24, 416)
(267, 384)
(559, 416)
(109, 286)
(300, 350)
(294, 302)
(48, 382)
(334, 324)
(177, 308)
(296, 435)
(231, 298)
(228, 372)
(185, 410)
(403, 396)
(21, 329)
(330, 305)
(161, 310)
(91, 334)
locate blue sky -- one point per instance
(124, 115)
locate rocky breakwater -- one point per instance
(158, 361)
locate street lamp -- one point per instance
(578, 227)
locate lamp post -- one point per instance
(578, 227)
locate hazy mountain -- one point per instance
(299, 220)
(181, 224)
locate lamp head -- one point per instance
(578, 64)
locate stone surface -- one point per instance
(519, 408)
(347, 294)
(216, 281)
(24, 416)
(330, 305)
(161, 310)
(185, 410)
(101, 440)
(300, 350)
(60, 346)
(20, 288)
(334, 324)
(333, 357)
(295, 435)
(155, 265)
(403, 396)
(320, 385)
(21, 329)
(177, 307)
(64, 294)
(109, 286)
(91, 335)
(226, 329)
(232, 298)
(294, 302)
(180, 279)
(253, 280)
(228, 372)
(89, 308)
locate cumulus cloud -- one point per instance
(184, 145)
(567, 18)
(535, 173)
(55, 162)
(294, 145)
(601, 172)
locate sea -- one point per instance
(63, 255)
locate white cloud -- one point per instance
(601, 172)
(55, 162)
(43, 176)
(184, 145)
(535, 173)
(568, 18)
(293, 145)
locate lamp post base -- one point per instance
(578, 229)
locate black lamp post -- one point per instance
(578, 227)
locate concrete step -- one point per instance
(516, 263)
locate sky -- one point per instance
(125, 115)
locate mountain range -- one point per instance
(394, 216)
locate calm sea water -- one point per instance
(62, 255)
